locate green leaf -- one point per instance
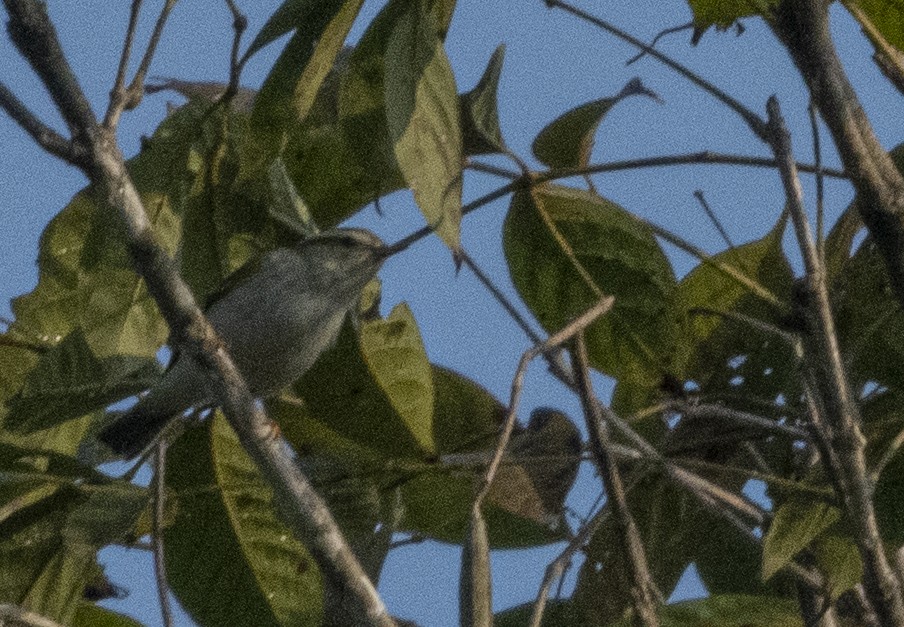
(86, 280)
(229, 558)
(558, 613)
(396, 357)
(869, 320)
(796, 524)
(662, 514)
(734, 351)
(423, 119)
(730, 610)
(568, 140)
(90, 615)
(69, 381)
(480, 110)
(39, 570)
(723, 13)
(290, 89)
(888, 17)
(566, 248)
(374, 390)
(839, 560)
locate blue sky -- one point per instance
(553, 62)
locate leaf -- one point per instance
(106, 515)
(661, 513)
(566, 248)
(290, 89)
(90, 615)
(475, 597)
(568, 140)
(86, 280)
(229, 558)
(838, 558)
(480, 110)
(374, 390)
(732, 356)
(395, 354)
(39, 570)
(289, 209)
(723, 13)
(730, 610)
(796, 524)
(69, 381)
(888, 17)
(423, 119)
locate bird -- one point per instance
(276, 317)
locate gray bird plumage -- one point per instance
(275, 324)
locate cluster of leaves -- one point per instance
(395, 443)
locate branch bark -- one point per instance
(841, 412)
(803, 27)
(645, 596)
(305, 512)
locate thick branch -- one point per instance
(803, 26)
(304, 510)
(841, 413)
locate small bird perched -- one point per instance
(275, 323)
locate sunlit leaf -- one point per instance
(423, 119)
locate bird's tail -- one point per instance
(134, 431)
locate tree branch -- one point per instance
(308, 515)
(645, 595)
(803, 27)
(44, 136)
(841, 412)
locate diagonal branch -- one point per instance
(44, 136)
(803, 27)
(840, 410)
(305, 511)
(644, 593)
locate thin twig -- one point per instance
(704, 157)
(555, 568)
(159, 509)
(130, 97)
(645, 595)
(575, 326)
(500, 297)
(722, 412)
(118, 93)
(486, 168)
(713, 218)
(44, 136)
(755, 122)
(841, 411)
(666, 31)
(239, 25)
(889, 58)
(820, 180)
